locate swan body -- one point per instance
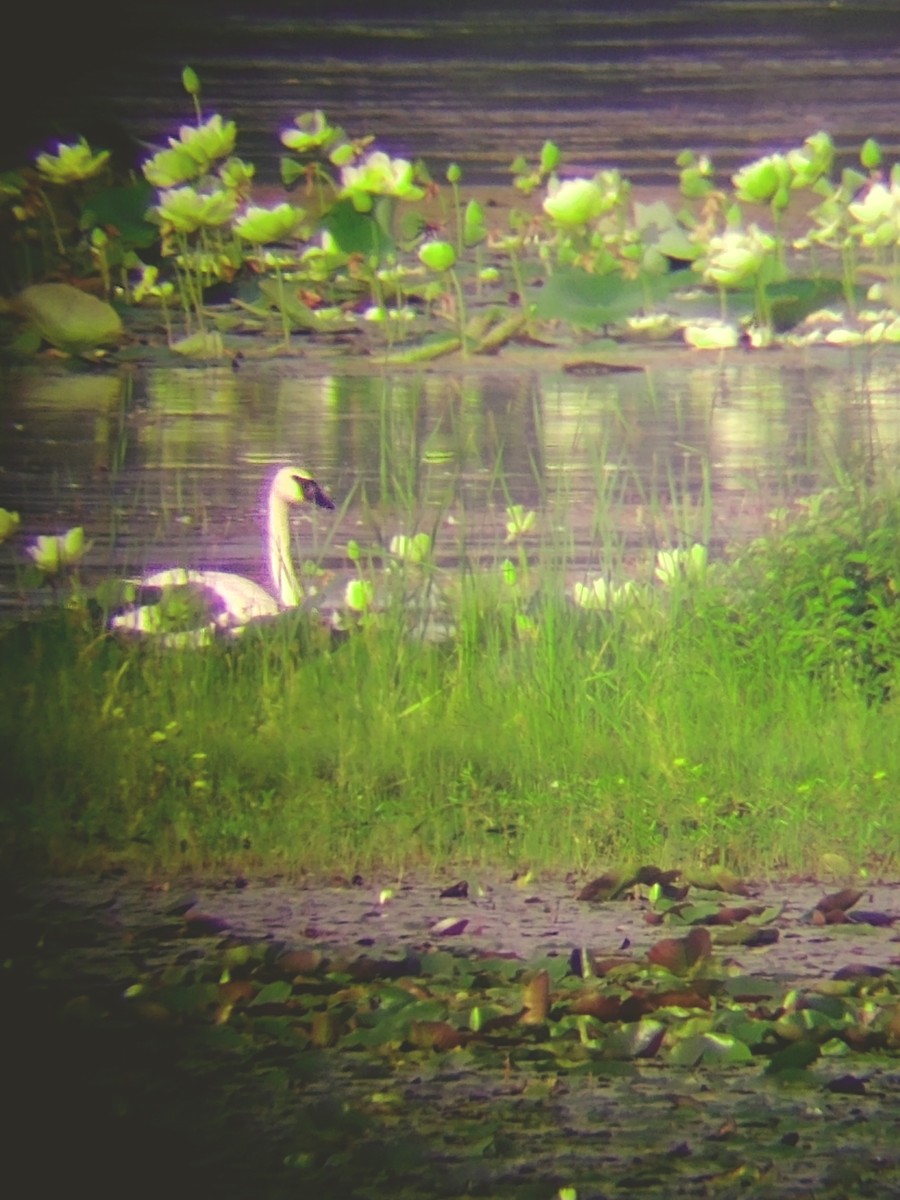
(203, 603)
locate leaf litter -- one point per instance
(448, 1038)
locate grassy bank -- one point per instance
(739, 713)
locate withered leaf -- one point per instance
(450, 926)
(598, 1005)
(436, 1035)
(843, 900)
(536, 999)
(456, 891)
(679, 955)
(847, 1085)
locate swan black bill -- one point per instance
(313, 493)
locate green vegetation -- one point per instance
(189, 242)
(740, 714)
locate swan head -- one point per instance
(294, 485)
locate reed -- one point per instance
(742, 714)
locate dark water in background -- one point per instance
(621, 84)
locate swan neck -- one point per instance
(284, 578)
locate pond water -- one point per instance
(167, 466)
(626, 84)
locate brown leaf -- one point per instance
(299, 962)
(449, 927)
(733, 916)
(766, 935)
(859, 971)
(847, 1085)
(844, 899)
(725, 1130)
(670, 953)
(325, 1028)
(536, 999)
(436, 1035)
(878, 919)
(637, 1005)
(236, 990)
(679, 955)
(502, 1021)
(604, 887)
(649, 875)
(675, 999)
(598, 1005)
(605, 966)
(200, 924)
(836, 916)
(698, 944)
(457, 891)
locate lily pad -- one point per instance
(68, 318)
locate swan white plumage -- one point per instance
(211, 601)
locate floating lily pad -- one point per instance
(68, 318)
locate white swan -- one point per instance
(204, 602)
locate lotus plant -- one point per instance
(263, 227)
(737, 258)
(379, 175)
(55, 554)
(575, 203)
(675, 566)
(519, 522)
(72, 163)
(315, 138)
(526, 179)
(192, 221)
(601, 596)
(441, 257)
(192, 154)
(414, 549)
(9, 524)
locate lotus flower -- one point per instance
(264, 225)
(192, 153)
(9, 523)
(55, 553)
(416, 549)
(186, 210)
(72, 163)
(736, 256)
(379, 175)
(600, 596)
(312, 133)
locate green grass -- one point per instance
(746, 718)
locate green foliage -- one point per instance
(595, 257)
(739, 715)
(833, 577)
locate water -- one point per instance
(167, 466)
(625, 84)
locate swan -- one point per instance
(211, 601)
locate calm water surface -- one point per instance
(168, 466)
(627, 83)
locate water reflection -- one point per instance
(167, 465)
